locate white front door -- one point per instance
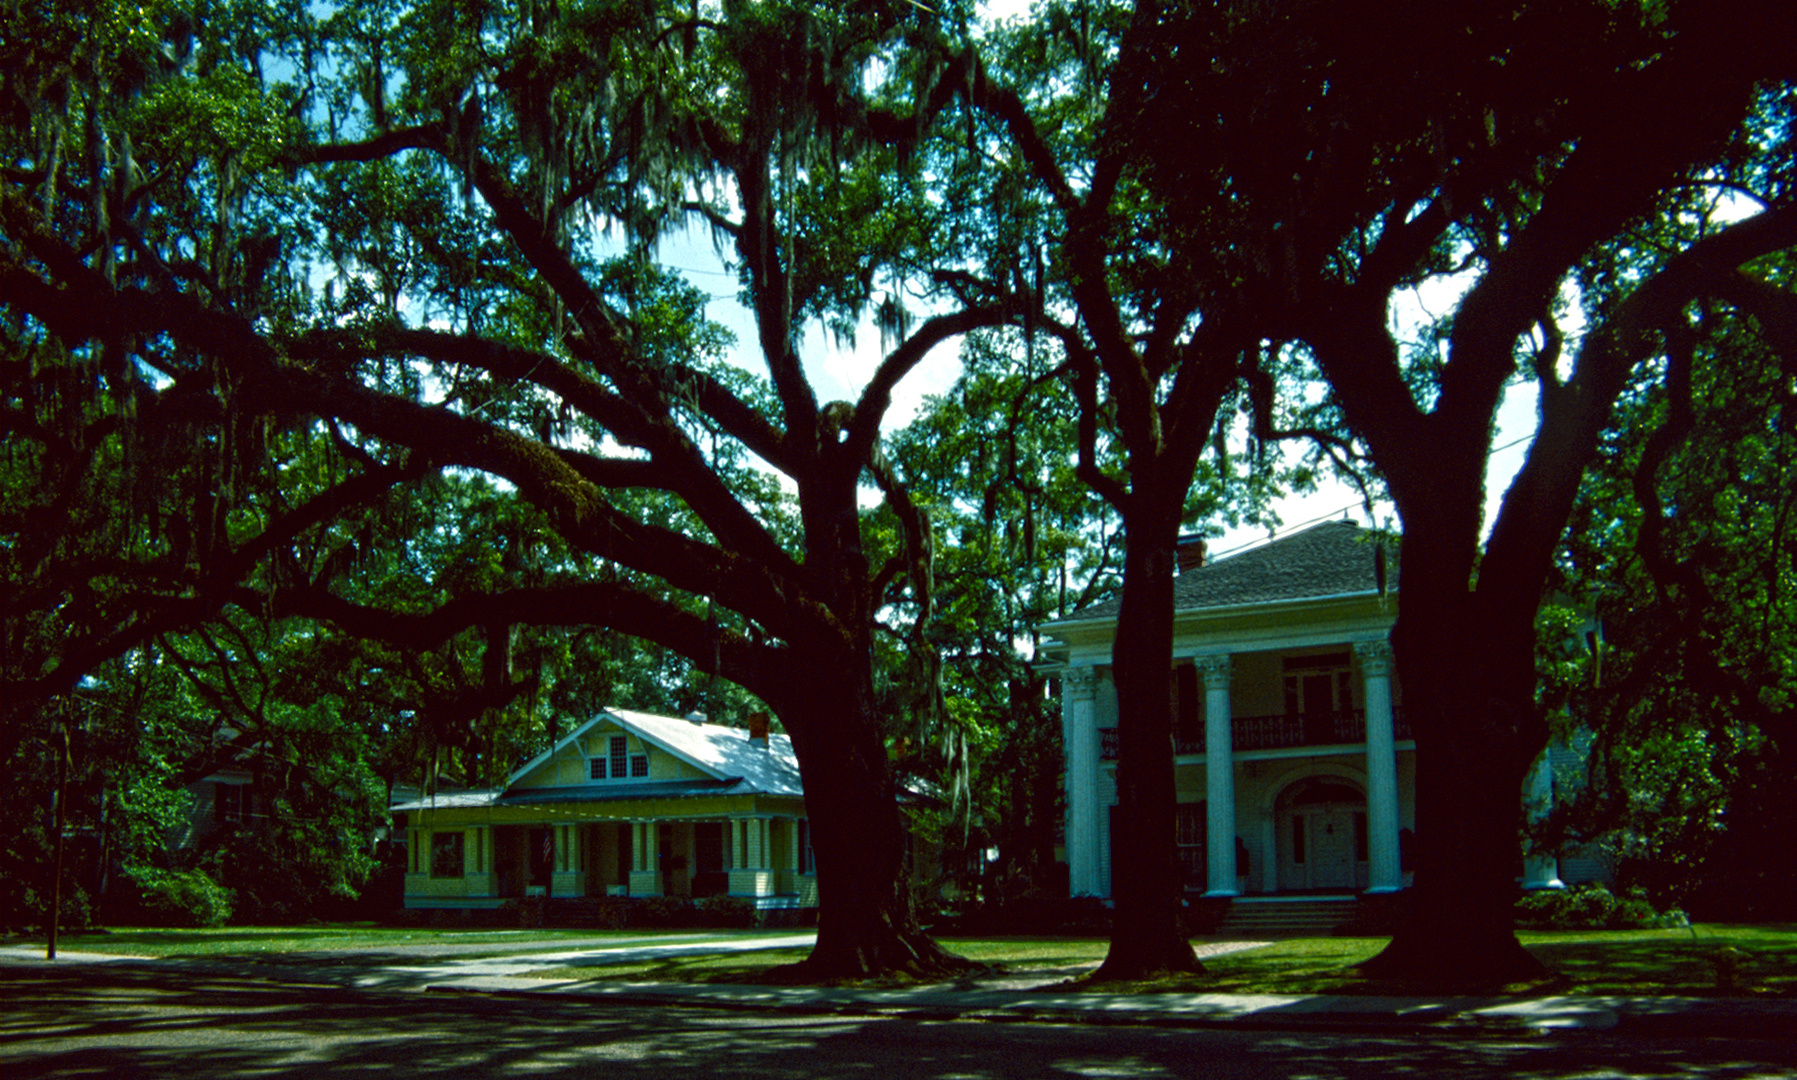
(1331, 849)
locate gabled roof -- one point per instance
(721, 752)
(1336, 558)
(731, 763)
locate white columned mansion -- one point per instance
(1295, 768)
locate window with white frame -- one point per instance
(447, 854)
(617, 762)
(1320, 690)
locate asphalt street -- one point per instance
(124, 1021)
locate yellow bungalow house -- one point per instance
(628, 804)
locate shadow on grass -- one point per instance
(1752, 961)
(1716, 961)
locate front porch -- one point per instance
(482, 864)
(1316, 797)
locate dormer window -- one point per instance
(617, 762)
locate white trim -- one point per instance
(1219, 609)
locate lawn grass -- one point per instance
(1709, 960)
(332, 937)
(1051, 957)
(1705, 960)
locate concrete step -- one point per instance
(1285, 918)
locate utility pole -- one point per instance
(62, 801)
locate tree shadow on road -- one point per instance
(79, 1022)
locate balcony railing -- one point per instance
(1280, 732)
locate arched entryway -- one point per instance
(1320, 823)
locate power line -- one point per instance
(1331, 514)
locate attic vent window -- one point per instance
(618, 763)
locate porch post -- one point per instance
(645, 868)
(751, 866)
(1541, 869)
(1384, 871)
(570, 877)
(1219, 776)
(1079, 693)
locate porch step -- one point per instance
(1257, 919)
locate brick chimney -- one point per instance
(758, 727)
(1190, 553)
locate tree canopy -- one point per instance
(335, 338)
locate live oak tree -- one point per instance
(1022, 542)
(1552, 163)
(1680, 551)
(1157, 357)
(377, 236)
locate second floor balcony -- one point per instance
(1278, 732)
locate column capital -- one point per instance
(1214, 670)
(1375, 657)
(1080, 682)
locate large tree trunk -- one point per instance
(1469, 681)
(1146, 936)
(867, 923)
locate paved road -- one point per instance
(139, 1020)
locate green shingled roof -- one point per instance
(1331, 559)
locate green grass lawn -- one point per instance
(1757, 960)
(1709, 959)
(334, 937)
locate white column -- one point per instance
(1219, 776)
(1079, 690)
(1540, 869)
(1384, 871)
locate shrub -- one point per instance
(664, 912)
(1035, 914)
(286, 872)
(1590, 907)
(727, 912)
(612, 913)
(181, 897)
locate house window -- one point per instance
(1298, 839)
(446, 854)
(807, 862)
(1320, 690)
(1189, 834)
(617, 762)
(227, 802)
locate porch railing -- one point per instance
(1278, 732)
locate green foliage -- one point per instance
(1591, 906)
(1682, 665)
(284, 872)
(729, 912)
(181, 897)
